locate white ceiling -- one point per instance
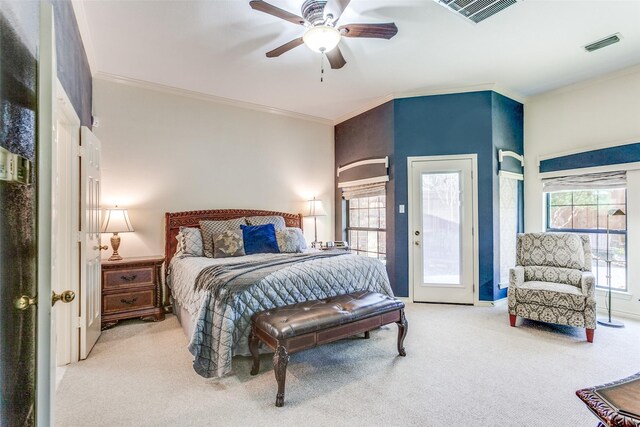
(217, 47)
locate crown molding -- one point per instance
(143, 84)
(431, 92)
(85, 34)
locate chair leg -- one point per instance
(512, 319)
(403, 325)
(280, 361)
(590, 334)
(253, 348)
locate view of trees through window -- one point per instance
(586, 211)
(366, 226)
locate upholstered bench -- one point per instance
(304, 325)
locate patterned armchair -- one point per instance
(552, 281)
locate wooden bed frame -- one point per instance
(174, 220)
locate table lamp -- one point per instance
(116, 221)
(315, 210)
(609, 321)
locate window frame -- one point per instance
(593, 231)
(353, 246)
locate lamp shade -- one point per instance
(116, 220)
(321, 38)
(316, 208)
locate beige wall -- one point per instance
(594, 114)
(165, 152)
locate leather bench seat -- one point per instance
(310, 316)
(305, 325)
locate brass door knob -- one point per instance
(66, 297)
(25, 302)
(101, 247)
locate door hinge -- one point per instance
(81, 151)
(76, 322)
(79, 236)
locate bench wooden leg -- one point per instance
(253, 348)
(403, 325)
(280, 361)
(366, 335)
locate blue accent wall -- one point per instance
(607, 156)
(508, 134)
(71, 60)
(468, 123)
(445, 125)
(366, 136)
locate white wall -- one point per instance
(594, 114)
(168, 152)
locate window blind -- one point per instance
(592, 181)
(366, 190)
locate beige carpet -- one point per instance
(465, 366)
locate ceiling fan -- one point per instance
(322, 34)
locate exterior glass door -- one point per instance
(442, 216)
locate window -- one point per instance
(366, 226)
(587, 211)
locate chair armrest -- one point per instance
(516, 276)
(588, 284)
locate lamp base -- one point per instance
(611, 324)
(115, 244)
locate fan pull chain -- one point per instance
(322, 67)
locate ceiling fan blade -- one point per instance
(335, 8)
(335, 58)
(284, 48)
(376, 31)
(276, 11)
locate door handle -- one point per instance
(25, 302)
(66, 297)
(101, 247)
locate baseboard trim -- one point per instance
(616, 313)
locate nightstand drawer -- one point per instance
(123, 278)
(128, 301)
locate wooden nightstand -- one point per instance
(132, 288)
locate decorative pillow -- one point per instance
(191, 241)
(209, 227)
(290, 240)
(179, 249)
(260, 239)
(277, 221)
(228, 244)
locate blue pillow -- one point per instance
(259, 239)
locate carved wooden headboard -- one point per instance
(174, 220)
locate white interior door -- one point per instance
(442, 220)
(90, 288)
(65, 226)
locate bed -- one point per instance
(218, 323)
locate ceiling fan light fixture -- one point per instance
(322, 38)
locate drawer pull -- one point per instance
(129, 301)
(129, 278)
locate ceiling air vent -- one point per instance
(607, 41)
(477, 10)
